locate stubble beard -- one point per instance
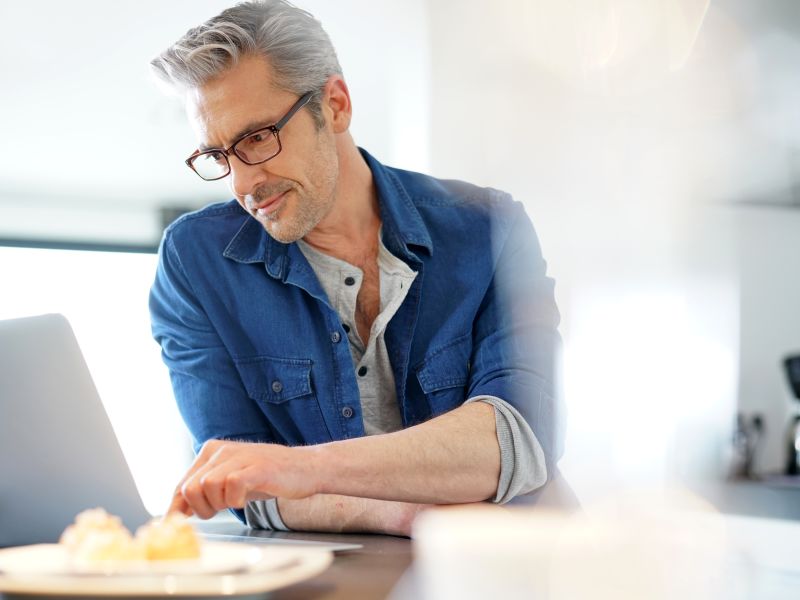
(308, 212)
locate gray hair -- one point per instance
(291, 39)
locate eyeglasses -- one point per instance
(253, 148)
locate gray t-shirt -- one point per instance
(522, 464)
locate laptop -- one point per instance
(58, 451)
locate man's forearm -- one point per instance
(452, 459)
(346, 514)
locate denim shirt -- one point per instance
(256, 352)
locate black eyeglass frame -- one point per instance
(273, 129)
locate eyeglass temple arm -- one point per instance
(304, 99)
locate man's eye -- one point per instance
(256, 138)
(217, 157)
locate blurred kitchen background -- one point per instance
(655, 144)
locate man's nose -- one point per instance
(245, 178)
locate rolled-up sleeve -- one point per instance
(264, 514)
(523, 468)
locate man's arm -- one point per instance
(452, 459)
(347, 514)
(522, 469)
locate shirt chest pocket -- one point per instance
(275, 380)
(443, 374)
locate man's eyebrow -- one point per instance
(249, 128)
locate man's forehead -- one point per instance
(228, 105)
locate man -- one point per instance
(347, 342)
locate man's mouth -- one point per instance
(267, 206)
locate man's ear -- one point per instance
(336, 103)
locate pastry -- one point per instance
(97, 536)
(169, 538)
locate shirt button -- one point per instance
(349, 281)
(362, 371)
(335, 337)
(347, 412)
(277, 387)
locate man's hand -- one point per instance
(230, 474)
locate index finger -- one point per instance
(179, 503)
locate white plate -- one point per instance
(53, 559)
(39, 570)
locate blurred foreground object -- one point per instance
(653, 545)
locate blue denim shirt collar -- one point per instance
(403, 228)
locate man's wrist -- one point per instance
(318, 466)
